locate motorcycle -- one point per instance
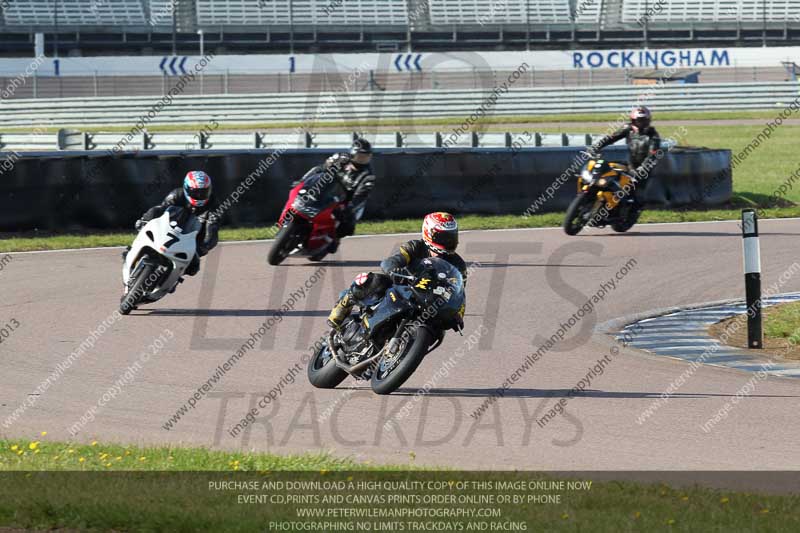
(158, 257)
(390, 334)
(605, 197)
(308, 220)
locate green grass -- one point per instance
(46, 485)
(385, 123)
(43, 455)
(782, 321)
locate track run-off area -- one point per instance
(232, 342)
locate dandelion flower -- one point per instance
(14, 448)
(43, 433)
(724, 500)
(142, 458)
(565, 516)
(81, 460)
(94, 443)
(33, 445)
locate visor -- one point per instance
(447, 240)
(361, 158)
(199, 194)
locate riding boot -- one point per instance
(341, 311)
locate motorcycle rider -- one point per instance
(643, 143)
(196, 196)
(439, 239)
(352, 170)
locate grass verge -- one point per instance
(125, 488)
(781, 328)
(32, 242)
(441, 121)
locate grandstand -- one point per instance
(94, 27)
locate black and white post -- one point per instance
(752, 277)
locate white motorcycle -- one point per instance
(160, 254)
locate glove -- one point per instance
(139, 224)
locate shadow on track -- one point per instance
(684, 234)
(490, 264)
(562, 393)
(228, 312)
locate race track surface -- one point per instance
(528, 283)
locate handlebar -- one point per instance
(407, 277)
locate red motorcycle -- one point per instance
(308, 221)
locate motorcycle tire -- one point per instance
(322, 371)
(631, 219)
(138, 289)
(287, 239)
(388, 382)
(573, 219)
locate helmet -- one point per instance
(640, 117)
(361, 152)
(440, 232)
(197, 188)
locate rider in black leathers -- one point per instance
(644, 145)
(439, 239)
(352, 170)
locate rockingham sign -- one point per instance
(539, 60)
(689, 57)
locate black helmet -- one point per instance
(361, 152)
(640, 117)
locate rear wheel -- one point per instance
(287, 239)
(576, 217)
(145, 280)
(392, 372)
(322, 370)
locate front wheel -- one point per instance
(392, 372)
(576, 217)
(322, 370)
(287, 239)
(141, 285)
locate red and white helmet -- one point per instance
(440, 232)
(640, 117)
(197, 188)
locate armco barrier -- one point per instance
(76, 190)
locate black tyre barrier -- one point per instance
(89, 190)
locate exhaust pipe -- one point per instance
(351, 369)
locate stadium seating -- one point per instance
(664, 11)
(512, 11)
(75, 13)
(310, 12)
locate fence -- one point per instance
(96, 85)
(140, 112)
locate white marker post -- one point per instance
(752, 277)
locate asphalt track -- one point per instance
(529, 282)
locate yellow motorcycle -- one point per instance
(605, 197)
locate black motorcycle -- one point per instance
(389, 335)
(605, 197)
